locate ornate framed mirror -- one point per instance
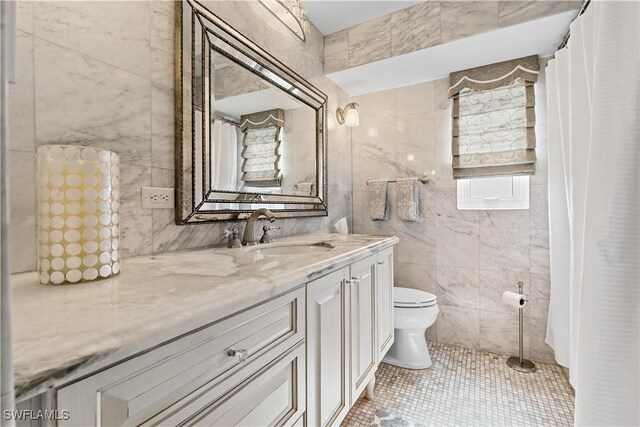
(250, 132)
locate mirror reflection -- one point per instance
(263, 140)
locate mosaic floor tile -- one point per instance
(384, 418)
(467, 387)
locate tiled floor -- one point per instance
(467, 387)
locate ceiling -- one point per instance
(330, 16)
(253, 102)
(540, 37)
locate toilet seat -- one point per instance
(412, 298)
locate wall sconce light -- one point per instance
(291, 14)
(348, 115)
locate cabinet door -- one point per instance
(327, 350)
(362, 299)
(384, 302)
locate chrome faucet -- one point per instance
(249, 237)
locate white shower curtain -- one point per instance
(225, 156)
(594, 211)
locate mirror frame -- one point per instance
(194, 194)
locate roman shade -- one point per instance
(493, 119)
(261, 148)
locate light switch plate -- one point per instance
(158, 198)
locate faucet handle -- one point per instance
(265, 236)
(231, 234)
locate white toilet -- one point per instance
(413, 312)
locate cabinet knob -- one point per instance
(355, 280)
(241, 355)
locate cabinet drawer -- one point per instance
(275, 395)
(140, 388)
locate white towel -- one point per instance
(378, 199)
(341, 226)
(408, 199)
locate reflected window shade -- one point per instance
(261, 157)
(493, 119)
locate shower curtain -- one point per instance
(225, 156)
(594, 210)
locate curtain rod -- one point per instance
(225, 119)
(565, 39)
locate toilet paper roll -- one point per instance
(513, 299)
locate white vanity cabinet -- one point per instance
(300, 358)
(349, 330)
(248, 367)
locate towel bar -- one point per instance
(423, 180)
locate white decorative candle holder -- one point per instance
(78, 221)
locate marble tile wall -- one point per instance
(466, 258)
(102, 73)
(370, 42)
(428, 24)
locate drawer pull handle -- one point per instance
(241, 355)
(381, 263)
(355, 280)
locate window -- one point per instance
(261, 148)
(493, 134)
(501, 193)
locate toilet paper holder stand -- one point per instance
(519, 363)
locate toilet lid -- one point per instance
(406, 297)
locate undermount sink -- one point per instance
(293, 249)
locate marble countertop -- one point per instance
(62, 332)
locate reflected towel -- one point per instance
(304, 189)
(407, 197)
(341, 226)
(377, 199)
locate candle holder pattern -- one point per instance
(78, 220)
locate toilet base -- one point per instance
(409, 350)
